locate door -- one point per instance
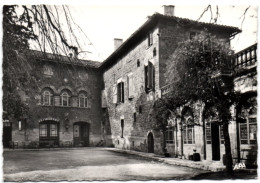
(49, 133)
(7, 134)
(150, 143)
(81, 134)
(215, 142)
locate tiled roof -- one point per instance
(62, 59)
(152, 22)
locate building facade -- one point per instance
(111, 103)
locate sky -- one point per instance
(101, 21)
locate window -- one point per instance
(122, 128)
(48, 130)
(208, 133)
(82, 100)
(120, 92)
(47, 97)
(43, 130)
(134, 116)
(53, 130)
(150, 39)
(47, 70)
(140, 109)
(130, 86)
(149, 77)
(65, 99)
(192, 35)
(248, 129)
(188, 135)
(222, 140)
(154, 52)
(169, 136)
(138, 63)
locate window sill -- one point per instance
(64, 106)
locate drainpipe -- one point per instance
(237, 134)
(176, 138)
(204, 139)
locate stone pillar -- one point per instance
(74, 101)
(56, 100)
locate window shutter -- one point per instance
(104, 99)
(151, 39)
(153, 73)
(146, 77)
(130, 86)
(123, 92)
(118, 92)
(114, 93)
(150, 75)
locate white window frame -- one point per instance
(85, 100)
(46, 95)
(65, 95)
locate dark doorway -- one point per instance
(215, 142)
(81, 134)
(7, 134)
(150, 143)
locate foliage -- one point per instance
(24, 26)
(200, 70)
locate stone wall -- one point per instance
(135, 132)
(75, 79)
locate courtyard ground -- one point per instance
(87, 164)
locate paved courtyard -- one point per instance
(87, 164)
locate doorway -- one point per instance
(7, 134)
(215, 142)
(81, 134)
(150, 143)
(49, 133)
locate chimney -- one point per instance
(169, 10)
(117, 43)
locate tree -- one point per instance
(201, 71)
(23, 27)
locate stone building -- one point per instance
(66, 107)
(110, 103)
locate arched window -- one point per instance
(82, 100)
(65, 98)
(47, 97)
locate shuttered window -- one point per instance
(114, 92)
(130, 86)
(149, 77)
(120, 92)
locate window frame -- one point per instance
(65, 95)
(186, 140)
(46, 94)
(83, 97)
(169, 139)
